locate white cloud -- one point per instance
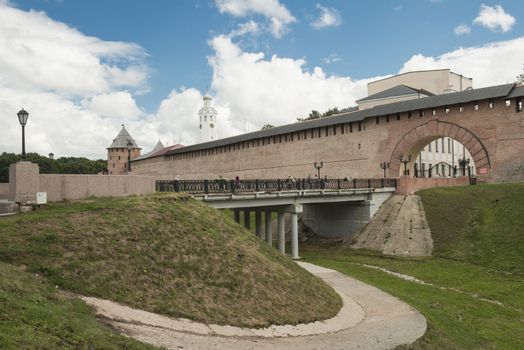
(250, 27)
(119, 104)
(40, 53)
(331, 58)
(329, 17)
(277, 14)
(494, 18)
(491, 64)
(274, 90)
(67, 81)
(462, 29)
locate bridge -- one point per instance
(331, 207)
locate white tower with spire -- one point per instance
(208, 121)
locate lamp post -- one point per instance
(405, 162)
(22, 118)
(318, 166)
(463, 162)
(384, 166)
(129, 146)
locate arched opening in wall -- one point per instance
(439, 149)
(442, 157)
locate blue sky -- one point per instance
(375, 37)
(167, 53)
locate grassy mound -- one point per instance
(34, 316)
(167, 254)
(475, 299)
(481, 225)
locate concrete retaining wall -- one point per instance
(342, 220)
(408, 185)
(60, 187)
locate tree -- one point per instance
(267, 126)
(316, 115)
(62, 165)
(520, 78)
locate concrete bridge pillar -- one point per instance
(258, 222)
(236, 215)
(295, 210)
(269, 232)
(294, 235)
(247, 219)
(281, 233)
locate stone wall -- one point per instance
(356, 149)
(4, 190)
(408, 185)
(60, 187)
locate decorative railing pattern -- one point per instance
(269, 185)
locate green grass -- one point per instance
(167, 254)
(482, 225)
(478, 232)
(33, 315)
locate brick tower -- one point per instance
(117, 153)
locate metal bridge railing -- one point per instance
(269, 185)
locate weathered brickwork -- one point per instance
(492, 132)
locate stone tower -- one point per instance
(117, 153)
(208, 121)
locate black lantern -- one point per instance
(405, 162)
(463, 163)
(22, 118)
(384, 166)
(318, 166)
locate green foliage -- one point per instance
(481, 224)
(62, 165)
(316, 115)
(267, 126)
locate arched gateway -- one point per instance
(417, 138)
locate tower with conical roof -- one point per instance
(117, 153)
(208, 121)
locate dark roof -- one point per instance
(159, 152)
(121, 140)
(399, 90)
(349, 109)
(386, 109)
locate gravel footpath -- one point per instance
(370, 319)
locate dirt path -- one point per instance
(370, 319)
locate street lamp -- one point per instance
(405, 161)
(129, 146)
(51, 155)
(318, 166)
(384, 166)
(463, 163)
(22, 118)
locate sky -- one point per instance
(83, 68)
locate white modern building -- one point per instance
(440, 157)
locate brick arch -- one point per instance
(416, 139)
